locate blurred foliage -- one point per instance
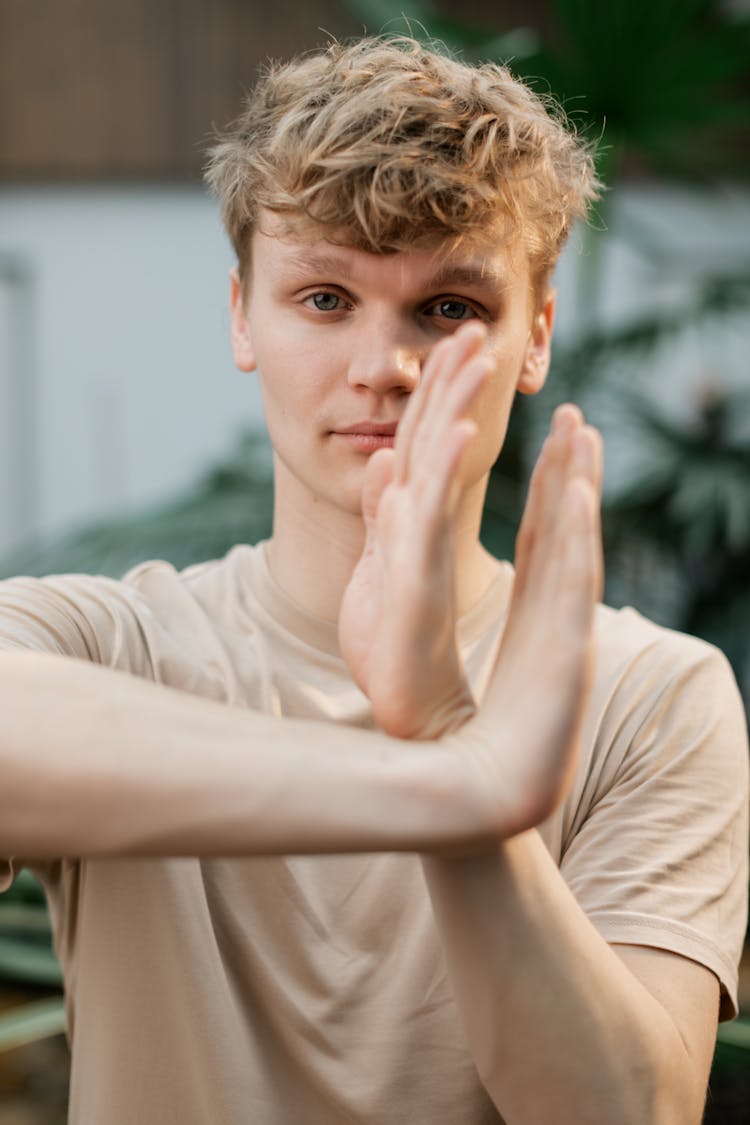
(232, 504)
(728, 1100)
(26, 952)
(665, 79)
(690, 509)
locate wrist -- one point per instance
(443, 714)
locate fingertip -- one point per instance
(566, 418)
(470, 335)
(472, 327)
(378, 474)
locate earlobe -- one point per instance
(533, 374)
(537, 358)
(242, 348)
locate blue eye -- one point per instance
(326, 302)
(454, 310)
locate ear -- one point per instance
(242, 348)
(537, 356)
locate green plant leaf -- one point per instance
(735, 1034)
(37, 1020)
(22, 960)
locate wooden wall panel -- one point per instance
(113, 89)
(130, 89)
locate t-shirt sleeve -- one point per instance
(82, 616)
(79, 615)
(660, 857)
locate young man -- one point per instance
(472, 848)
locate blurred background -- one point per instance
(126, 433)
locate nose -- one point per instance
(386, 360)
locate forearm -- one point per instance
(94, 761)
(559, 1027)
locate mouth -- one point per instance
(366, 437)
(376, 429)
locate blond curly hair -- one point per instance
(387, 145)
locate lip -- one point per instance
(369, 429)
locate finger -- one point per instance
(587, 466)
(587, 457)
(579, 555)
(378, 475)
(441, 495)
(453, 401)
(544, 488)
(566, 425)
(444, 360)
(438, 355)
(536, 535)
(453, 391)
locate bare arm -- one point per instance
(97, 762)
(562, 1026)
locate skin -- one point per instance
(97, 763)
(363, 360)
(391, 548)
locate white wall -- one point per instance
(116, 381)
(124, 337)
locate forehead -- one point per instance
(497, 264)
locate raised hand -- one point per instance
(398, 621)
(523, 741)
(397, 624)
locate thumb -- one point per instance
(378, 475)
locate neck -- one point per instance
(315, 547)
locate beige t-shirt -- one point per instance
(313, 989)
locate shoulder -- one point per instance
(653, 837)
(626, 639)
(644, 669)
(666, 733)
(154, 621)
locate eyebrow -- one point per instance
(323, 263)
(476, 276)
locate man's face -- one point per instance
(340, 337)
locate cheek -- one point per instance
(291, 359)
(294, 390)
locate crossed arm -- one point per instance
(563, 1028)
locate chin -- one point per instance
(343, 495)
(350, 503)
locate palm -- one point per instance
(529, 722)
(397, 621)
